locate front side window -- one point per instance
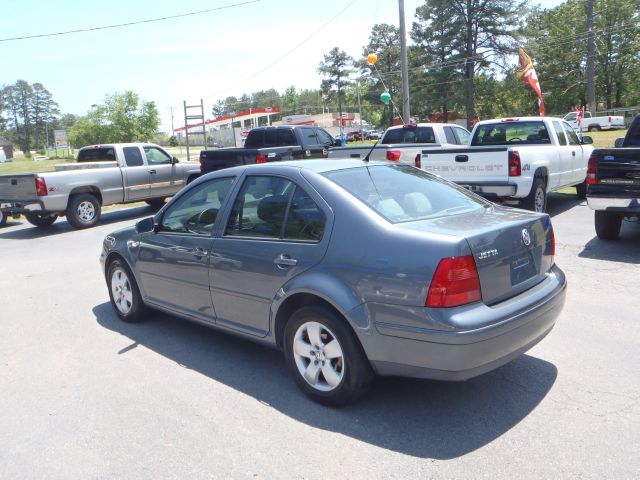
(309, 136)
(196, 211)
(155, 156)
(401, 193)
(133, 156)
(571, 135)
(324, 137)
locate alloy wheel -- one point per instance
(318, 356)
(121, 291)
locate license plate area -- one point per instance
(523, 267)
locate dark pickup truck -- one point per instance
(613, 183)
(271, 144)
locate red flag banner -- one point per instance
(528, 75)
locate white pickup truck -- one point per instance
(102, 175)
(591, 123)
(402, 143)
(515, 160)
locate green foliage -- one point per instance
(336, 68)
(173, 141)
(122, 118)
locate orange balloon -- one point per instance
(372, 58)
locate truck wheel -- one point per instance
(83, 210)
(581, 190)
(325, 357)
(537, 198)
(607, 224)
(594, 128)
(41, 219)
(123, 292)
(156, 202)
(3, 218)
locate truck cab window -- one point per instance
(286, 137)
(133, 156)
(155, 156)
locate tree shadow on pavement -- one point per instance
(62, 226)
(425, 419)
(625, 249)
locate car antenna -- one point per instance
(366, 158)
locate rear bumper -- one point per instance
(491, 190)
(479, 338)
(614, 203)
(12, 207)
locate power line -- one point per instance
(128, 24)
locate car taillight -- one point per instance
(393, 155)
(418, 161)
(201, 164)
(41, 187)
(515, 170)
(261, 159)
(591, 170)
(454, 283)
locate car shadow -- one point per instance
(62, 226)
(425, 419)
(558, 203)
(624, 249)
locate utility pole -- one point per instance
(359, 105)
(406, 111)
(343, 139)
(591, 52)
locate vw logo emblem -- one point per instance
(526, 238)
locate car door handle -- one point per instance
(573, 152)
(462, 158)
(199, 252)
(152, 171)
(285, 260)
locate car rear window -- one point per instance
(401, 193)
(97, 154)
(409, 134)
(511, 133)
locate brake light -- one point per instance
(261, 159)
(591, 170)
(515, 169)
(454, 283)
(418, 161)
(393, 155)
(410, 125)
(41, 187)
(510, 119)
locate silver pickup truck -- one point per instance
(102, 175)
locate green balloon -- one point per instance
(385, 97)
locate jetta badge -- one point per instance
(526, 238)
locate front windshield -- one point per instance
(401, 193)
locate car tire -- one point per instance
(83, 210)
(324, 356)
(537, 198)
(3, 218)
(581, 190)
(41, 219)
(594, 128)
(156, 202)
(124, 293)
(607, 224)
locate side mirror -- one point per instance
(174, 160)
(337, 142)
(619, 142)
(146, 225)
(586, 140)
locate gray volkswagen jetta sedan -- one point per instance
(351, 268)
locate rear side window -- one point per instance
(409, 134)
(97, 154)
(511, 133)
(562, 140)
(401, 193)
(133, 157)
(255, 139)
(286, 137)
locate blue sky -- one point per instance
(210, 56)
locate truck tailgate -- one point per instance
(17, 187)
(378, 153)
(468, 164)
(618, 169)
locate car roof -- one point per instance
(508, 120)
(316, 166)
(111, 145)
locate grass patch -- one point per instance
(605, 139)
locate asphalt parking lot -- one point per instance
(84, 395)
